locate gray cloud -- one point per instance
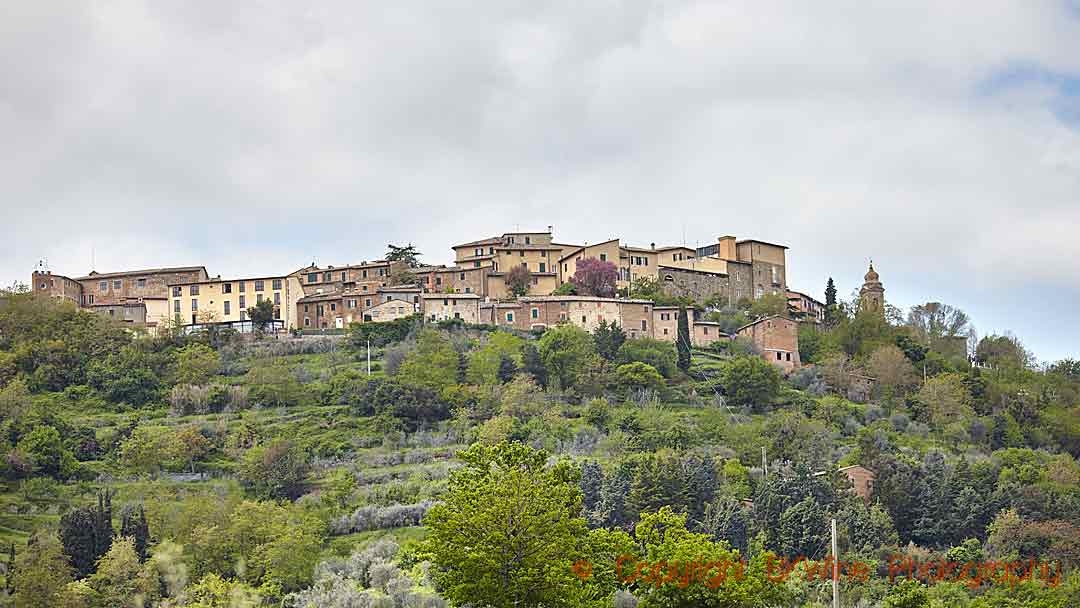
(253, 138)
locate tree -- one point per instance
(87, 533)
(566, 289)
(117, 579)
(517, 280)
(434, 363)
(768, 305)
(486, 362)
(830, 293)
(406, 253)
(47, 452)
(638, 376)
(934, 320)
(41, 572)
(566, 350)
(1002, 351)
(274, 471)
(133, 525)
(947, 400)
(608, 339)
(893, 371)
(261, 315)
(682, 343)
(507, 530)
(197, 363)
(657, 353)
(750, 381)
(802, 530)
(533, 364)
(596, 278)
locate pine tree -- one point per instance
(133, 524)
(507, 368)
(830, 300)
(87, 533)
(683, 343)
(533, 364)
(608, 339)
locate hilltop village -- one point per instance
(520, 280)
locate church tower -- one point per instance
(872, 294)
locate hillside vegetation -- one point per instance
(476, 467)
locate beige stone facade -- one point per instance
(541, 312)
(777, 338)
(862, 480)
(391, 310)
(447, 306)
(227, 300)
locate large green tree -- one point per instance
(433, 365)
(41, 573)
(566, 350)
(750, 381)
(507, 530)
(682, 343)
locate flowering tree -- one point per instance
(594, 277)
(517, 280)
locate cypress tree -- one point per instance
(683, 342)
(133, 524)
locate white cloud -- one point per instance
(250, 139)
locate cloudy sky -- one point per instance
(254, 137)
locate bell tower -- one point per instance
(872, 294)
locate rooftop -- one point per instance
(127, 273)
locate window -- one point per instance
(777, 356)
(521, 253)
(243, 315)
(468, 289)
(367, 302)
(258, 298)
(603, 257)
(536, 313)
(228, 310)
(328, 276)
(333, 306)
(140, 283)
(665, 331)
(509, 317)
(463, 276)
(705, 330)
(277, 313)
(194, 290)
(117, 284)
(277, 298)
(582, 318)
(306, 307)
(343, 279)
(242, 304)
(478, 251)
(243, 286)
(363, 288)
(382, 272)
(787, 356)
(259, 285)
(644, 325)
(90, 298)
(194, 304)
(176, 306)
(103, 286)
(476, 264)
(528, 240)
(307, 322)
(226, 288)
(511, 240)
(176, 292)
(363, 273)
(543, 267)
(276, 283)
(438, 280)
(445, 302)
(457, 315)
(313, 277)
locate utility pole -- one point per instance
(835, 570)
(764, 465)
(369, 357)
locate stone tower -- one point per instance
(872, 294)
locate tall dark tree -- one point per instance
(608, 339)
(87, 534)
(10, 578)
(407, 254)
(133, 524)
(507, 368)
(533, 364)
(830, 301)
(683, 343)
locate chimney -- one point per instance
(727, 249)
(652, 245)
(549, 229)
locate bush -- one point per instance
(188, 400)
(274, 471)
(372, 517)
(750, 381)
(656, 353)
(638, 376)
(416, 406)
(382, 333)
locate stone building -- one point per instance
(872, 294)
(862, 480)
(447, 306)
(391, 310)
(805, 307)
(541, 312)
(777, 338)
(139, 297)
(754, 268)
